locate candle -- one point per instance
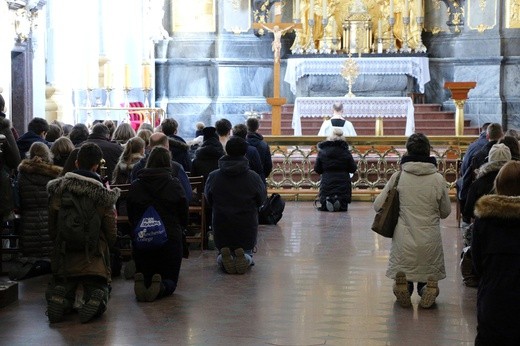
(127, 77)
(419, 8)
(146, 76)
(107, 78)
(391, 8)
(324, 8)
(297, 9)
(406, 8)
(311, 9)
(334, 28)
(380, 28)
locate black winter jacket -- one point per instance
(206, 158)
(257, 140)
(334, 162)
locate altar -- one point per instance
(353, 107)
(378, 76)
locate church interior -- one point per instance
(440, 67)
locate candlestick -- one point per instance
(310, 49)
(404, 47)
(391, 8)
(421, 48)
(311, 9)
(380, 28)
(127, 77)
(391, 47)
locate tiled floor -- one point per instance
(319, 279)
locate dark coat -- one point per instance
(254, 161)
(26, 140)
(335, 163)
(206, 158)
(257, 141)
(11, 154)
(469, 175)
(85, 184)
(33, 176)
(111, 153)
(235, 192)
(180, 151)
(157, 187)
(496, 257)
(483, 185)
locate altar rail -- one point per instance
(377, 159)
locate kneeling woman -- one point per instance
(335, 163)
(157, 269)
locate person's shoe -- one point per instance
(228, 261)
(429, 293)
(155, 288)
(329, 205)
(211, 241)
(241, 262)
(139, 287)
(129, 270)
(57, 304)
(92, 308)
(401, 290)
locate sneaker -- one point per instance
(129, 270)
(401, 290)
(93, 308)
(155, 288)
(228, 261)
(429, 293)
(211, 241)
(57, 304)
(329, 205)
(337, 205)
(241, 262)
(139, 287)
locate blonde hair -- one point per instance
(40, 150)
(145, 135)
(134, 145)
(507, 182)
(123, 133)
(337, 135)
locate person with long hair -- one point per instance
(496, 253)
(132, 153)
(123, 133)
(157, 270)
(417, 254)
(61, 150)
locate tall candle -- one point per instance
(324, 8)
(380, 28)
(406, 8)
(297, 9)
(127, 76)
(419, 8)
(391, 8)
(107, 76)
(311, 9)
(146, 76)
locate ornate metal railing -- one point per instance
(377, 159)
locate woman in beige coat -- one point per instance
(416, 254)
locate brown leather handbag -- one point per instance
(387, 216)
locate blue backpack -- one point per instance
(149, 233)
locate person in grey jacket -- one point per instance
(416, 254)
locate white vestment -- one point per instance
(327, 128)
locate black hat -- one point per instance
(209, 132)
(236, 146)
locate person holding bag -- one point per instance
(158, 264)
(416, 254)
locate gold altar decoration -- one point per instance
(513, 14)
(325, 22)
(350, 71)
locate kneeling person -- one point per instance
(235, 193)
(81, 251)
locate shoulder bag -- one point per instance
(387, 216)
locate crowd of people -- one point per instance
(65, 177)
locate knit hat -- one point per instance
(209, 132)
(236, 146)
(499, 152)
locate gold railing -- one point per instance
(377, 159)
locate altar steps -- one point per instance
(429, 119)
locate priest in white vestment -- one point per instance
(337, 121)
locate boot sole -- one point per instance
(228, 261)
(91, 308)
(431, 291)
(154, 289)
(241, 263)
(56, 308)
(139, 287)
(401, 290)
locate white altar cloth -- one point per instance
(354, 107)
(416, 67)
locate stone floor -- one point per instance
(319, 279)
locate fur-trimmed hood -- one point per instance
(32, 166)
(500, 206)
(490, 167)
(84, 186)
(128, 166)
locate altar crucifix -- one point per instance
(278, 29)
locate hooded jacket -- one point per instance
(82, 183)
(496, 257)
(26, 140)
(11, 154)
(33, 176)
(206, 157)
(257, 141)
(235, 193)
(179, 150)
(335, 163)
(423, 201)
